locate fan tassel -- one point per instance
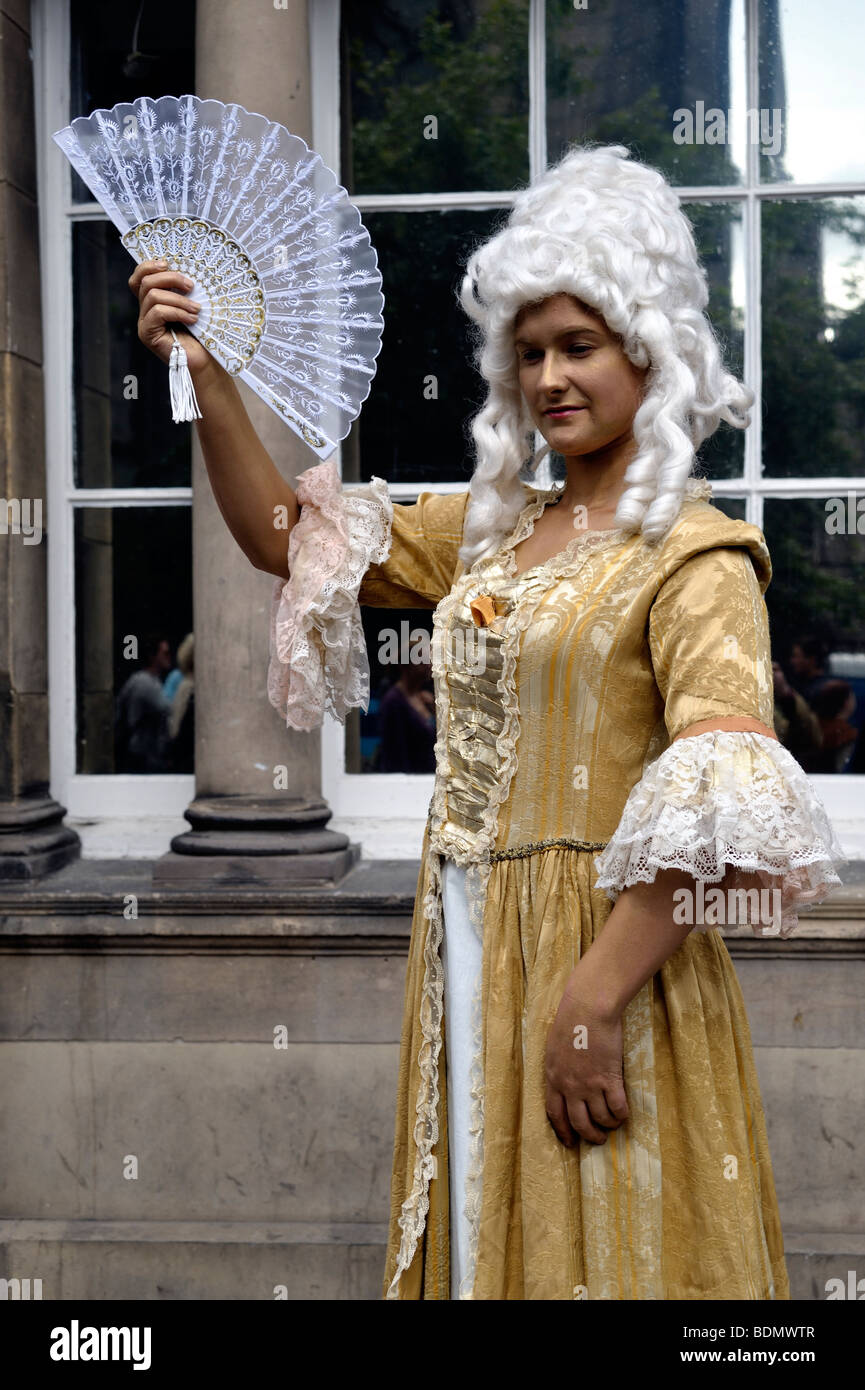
(184, 405)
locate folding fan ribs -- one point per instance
(282, 265)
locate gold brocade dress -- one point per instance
(555, 718)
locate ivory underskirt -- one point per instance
(461, 952)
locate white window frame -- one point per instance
(153, 805)
(117, 799)
(406, 796)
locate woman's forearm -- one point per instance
(639, 935)
(258, 505)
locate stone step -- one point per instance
(176, 1260)
(239, 1260)
(816, 1257)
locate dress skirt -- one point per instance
(486, 1202)
(560, 694)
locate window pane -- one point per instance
(734, 507)
(811, 76)
(718, 234)
(814, 337)
(818, 628)
(666, 80)
(413, 426)
(435, 96)
(398, 732)
(122, 49)
(133, 607)
(124, 433)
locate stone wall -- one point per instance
(155, 1143)
(261, 1166)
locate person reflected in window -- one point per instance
(407, 722)
(141, 719)
(795, 723)
(834, 705)
(808, 659)
(181, 718)
(171, 682)
(856, 765)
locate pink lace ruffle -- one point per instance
(318, 656)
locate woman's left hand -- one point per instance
(585, 1088)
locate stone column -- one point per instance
(242, 828)
(33, 840)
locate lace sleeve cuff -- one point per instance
(720, 799)
(318, 657)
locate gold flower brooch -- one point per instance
(484, 608)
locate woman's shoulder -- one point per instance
(701, 526)
(440, 511)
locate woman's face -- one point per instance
(581, 389)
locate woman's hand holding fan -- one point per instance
(163, 298)
(246, 483)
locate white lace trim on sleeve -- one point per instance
(719, 799)
(318, 656)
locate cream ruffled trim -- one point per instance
(318, 656)
(723, 798)
(462, 847)
(414, 1209)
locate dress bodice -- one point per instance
(547, 698)
(478, 631)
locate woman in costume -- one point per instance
(578, 1111)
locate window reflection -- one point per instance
(810, 60)
(413, 425)
(818, 629)
(435, 96)
(720, 245)
(398, 731)
(135, 664)
(124, 433)
(651, 77)
(733, 507)
(814, 337)
(123, 49)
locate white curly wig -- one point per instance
(610, 231)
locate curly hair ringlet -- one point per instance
(609, 231)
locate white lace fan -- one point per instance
(284, 270)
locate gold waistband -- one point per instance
(563, 842)
(533, 847)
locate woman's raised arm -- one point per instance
(249, 489)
